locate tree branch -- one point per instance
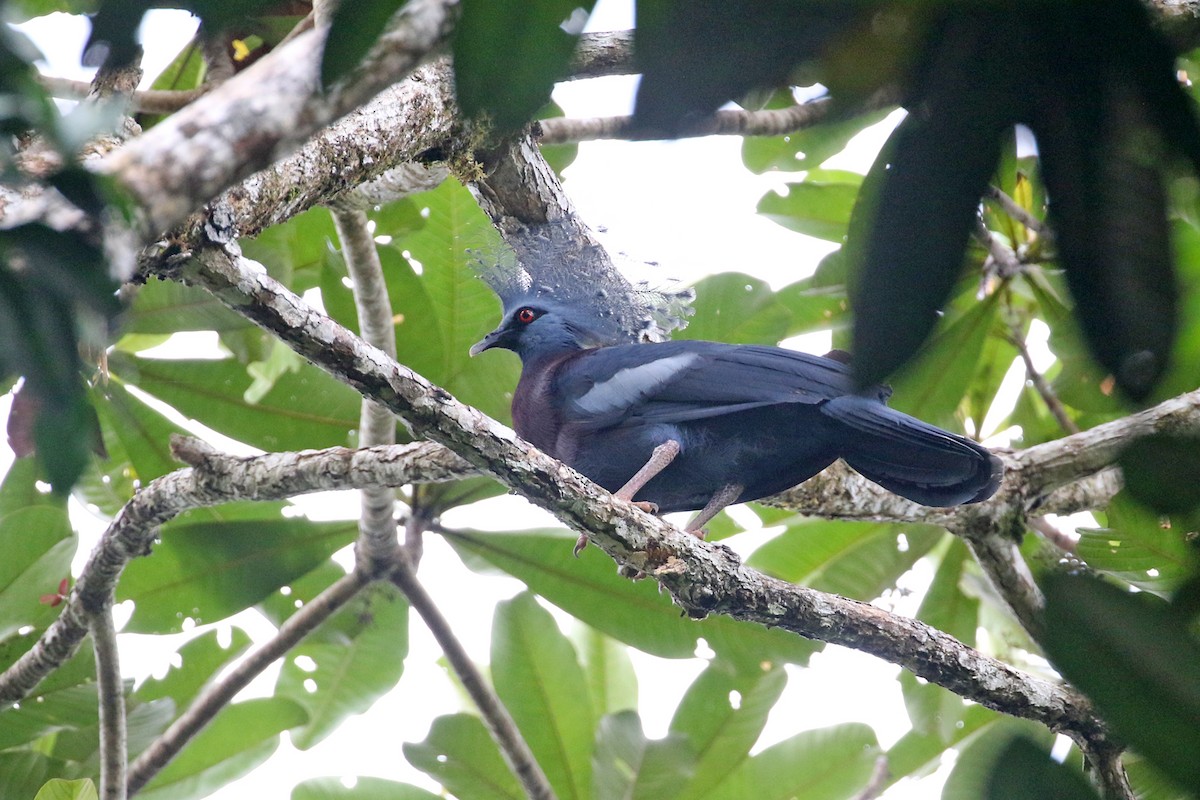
(376, 547)
(113, 747)
(702, 578)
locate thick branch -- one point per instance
(264, 114)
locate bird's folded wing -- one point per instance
(680, 381)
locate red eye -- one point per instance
(526, 315)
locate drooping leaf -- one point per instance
(353, 659)
(538, 677)
(459, 754)
(736, 308)
(363, 788)
(635, 613)
(1139, 662)
(59, 789)
(816, 207)
(199, 661)
(719, 734)
(1025, 770)
(241, 737)
(1138, 546)
(353, 28)
(628, 765)
(509, 53)
(612, 683)
(1162, 470)
(208, 569)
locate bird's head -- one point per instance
(539, 328)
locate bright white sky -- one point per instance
(688, 205)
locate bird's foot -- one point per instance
(645, 505)
(580, 543)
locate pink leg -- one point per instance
(724, 496)
(662, 456)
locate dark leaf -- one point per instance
(1139, 662)
(1162, 470)
(1025, 770)
(509, 53)
(353, 29)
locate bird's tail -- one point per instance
(912, 458)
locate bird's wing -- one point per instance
(680, 381)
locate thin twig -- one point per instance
(376, 547)
(113, 747)
(1015, 210)
(1043, 388)
(729, 122)
(1053, 535)
(210, 702)
(1006, 261)
(503, 729)
(148, 101)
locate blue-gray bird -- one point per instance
(689, 425)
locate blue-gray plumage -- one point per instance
(746, 421)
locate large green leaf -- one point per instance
(1025, 770)
(631, 767)
(1139, 662)
(59, 789)
(354, 27)
(1162, 470)
(817, 207)
(142, 435)
(612, 683)
(240, 738)
(807, 148)
(538, 677)
(22, 774)
(38, 544)
(918, 754)
(196, 663)
(165, 307)
(720, 733)
(976, 761)
(364, 788)
(736, 308)
(633, 612)
(209, 569)
(854, 559)
(460, 754)
(304, 409)
(825, 764)
(1138, 547)
(353, 658)
(932, 385)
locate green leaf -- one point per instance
(241, 737)
(20, 489)
(736, 308)
(137, 433)
(508, 54)
(304, 409)
(1139, 662)
(813, 307)
(364, 788)
(933, 383)
(166, 307)
(59, 789)
(1162, 470)
(1025, 770)
(38, 545)
(199, 660)
(459, 754)
(612, 682)
(855, 559)
(816, 208)
(208, 570)
(294, 251)
(976, 761)
(825, 764)
(353, 658)
(630, 766)
(538, 677)
(1138, 547)
(720, 733)
(919, 754)
(807, 148)
(22, 774)
(352, 30)
(636, 613)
